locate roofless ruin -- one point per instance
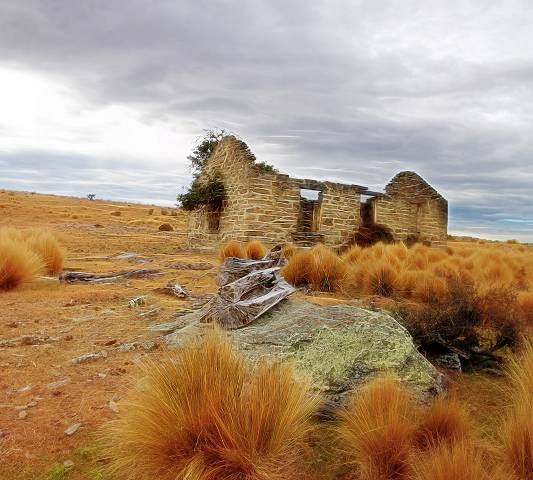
(276, 208)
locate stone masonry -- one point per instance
(270, 206)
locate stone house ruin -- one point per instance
(276, 208)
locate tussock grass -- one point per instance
(376, 429)
(18, 264)
(288, 250)
(445, 421)
(327, 271)
(382, 279)
(203, 415)
(517, 428)
(423, 274)
(27, 253)
(231, 249)
(255, 250)
(298, 270)
(44, 244)
(457, 461)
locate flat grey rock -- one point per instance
(340, 347)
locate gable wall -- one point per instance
(412, 207)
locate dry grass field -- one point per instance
(68, 320)
(46, 324)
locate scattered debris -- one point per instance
(242, 301)
(150, 313)
(108, 277)
(190, 266)
(31, 404)
(28, 340)
(72, 429)
(174, 289)
(113, 406)
(89, 357)
(123, 256)
(130, 346)
(137, 301)
(58, 383)
(165, 327)
(90, 318)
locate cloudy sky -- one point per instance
(108, 97)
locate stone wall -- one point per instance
(412, 208)
(266, 205)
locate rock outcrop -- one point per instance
(339, 346)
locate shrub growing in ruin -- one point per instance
(210, 193)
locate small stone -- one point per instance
(113, 406)
(72, 429)
(58, 384)
(23, 414)
(89, 357)
(115, 397)
(68, 464)
(137, 301)
(26, 388)
(3, 434)
(110, 342)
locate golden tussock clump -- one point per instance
(255, 250)
(298, 270)
(18, 264)
(352, 254)
(445, 421)
(406, 282)
(355, 279)
(48, 248)
(399, 250)
(203, 415)
(231, 249)
(288, 250)
(457, 461)
(382, 279)
(517, 428)
(430, 288)
(375, 433)
(327, 269)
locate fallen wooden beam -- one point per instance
(85, 277)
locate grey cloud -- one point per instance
(349, 91)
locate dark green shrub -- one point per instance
(210, 193)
